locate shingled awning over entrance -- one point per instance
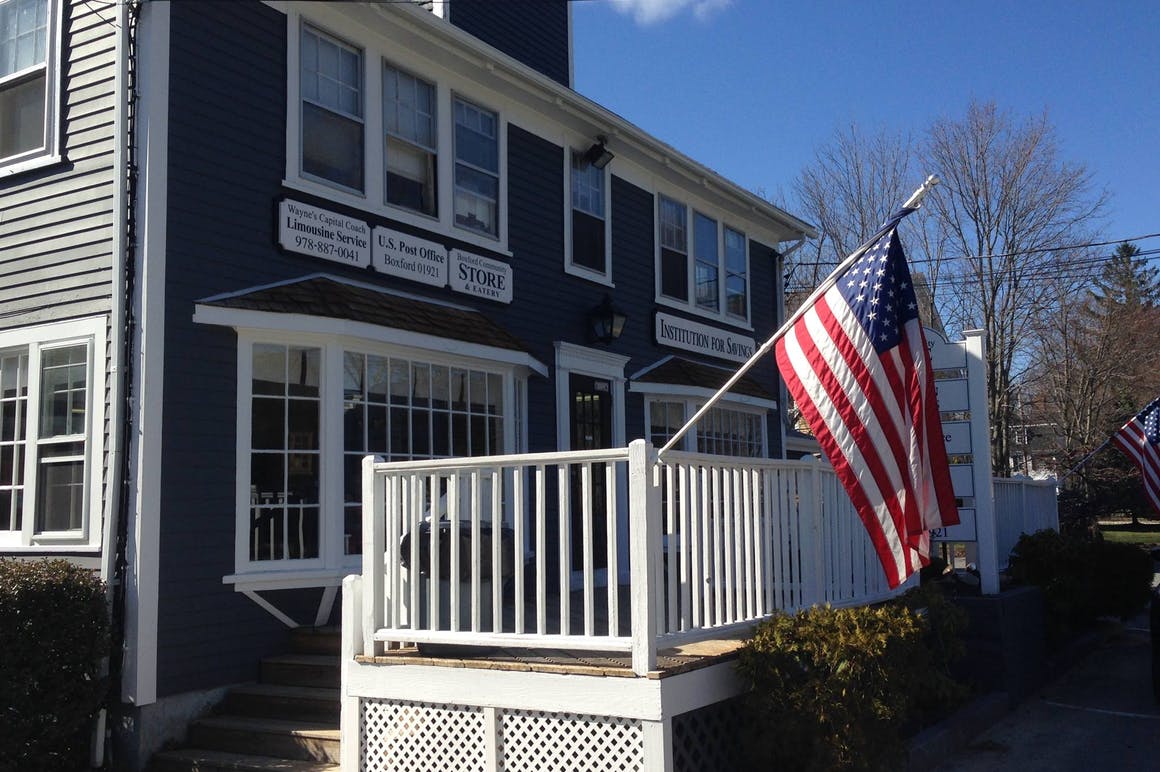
(321, 296)
(678, 371)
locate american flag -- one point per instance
(1139, 438)
(857, 365)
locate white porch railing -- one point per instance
(602, 550)
(1022, 506)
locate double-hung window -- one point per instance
(710, 275)
(27, 75)
(589, 224)
(331, 85)
(48, 484)
(476, 168)
(674, 249)
(409, 120)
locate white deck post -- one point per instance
(373, 573)
(352, 642)
(986, 529)
(658, 745)
(644, 536)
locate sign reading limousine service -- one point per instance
(702, 339)
(409, 257)
(322, 233)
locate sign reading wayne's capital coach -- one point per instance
(321, 233)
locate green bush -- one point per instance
(833, 689)
(54, 632)
(1082, 578)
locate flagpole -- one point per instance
(911, 203)
(1085, 459)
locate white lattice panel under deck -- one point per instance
(415, 737)
(536, 741)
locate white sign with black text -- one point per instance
(480, 276)
(703, 339)
(322, 233)
(409, 257)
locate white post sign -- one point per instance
(409, 257)
(322, 233)
(968, 443)
(480, 276)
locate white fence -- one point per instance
(1022, 506)
(603, 550)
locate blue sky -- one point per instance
(751, 87)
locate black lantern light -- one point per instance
(606, 321)
(598, 155)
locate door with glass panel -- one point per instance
(590, 428)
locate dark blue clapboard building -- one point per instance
(253, 242)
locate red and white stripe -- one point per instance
(876, 419)
(1132, 440)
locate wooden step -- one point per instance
(299, 703)
(197, 760)
(317, 670)
(267, 737)
(316, 640)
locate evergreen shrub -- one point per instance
(54, 633)
(835, 689)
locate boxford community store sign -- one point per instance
(310, 230)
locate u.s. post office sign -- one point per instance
(702, 339)
(409, 257)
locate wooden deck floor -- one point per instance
(670, 662)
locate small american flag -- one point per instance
(1139, 439)
(857, 365)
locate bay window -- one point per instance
(313, 408)
(49, 489)
(27, 79)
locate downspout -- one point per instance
(779, 315)
(114, 556)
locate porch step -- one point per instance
(318, 670)
(267, 737)
(193, 760)
(275, 700)
(316, 640)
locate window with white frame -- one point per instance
(710, 275)
(367, 131)
(476, 168)
(724, 431)
(49, 488)
(409, 121)
(27, 79)
(367, 401)
(402, 409)
(589, 224)
(331, 88)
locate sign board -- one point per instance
(957, 436)
(702, 339)
(317, 232)
(951, 394)
(964, 531)
(409, 257)
(963, 480)
(480, 276)
(944, 355)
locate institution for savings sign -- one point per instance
(702, 339)
(310, 230)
